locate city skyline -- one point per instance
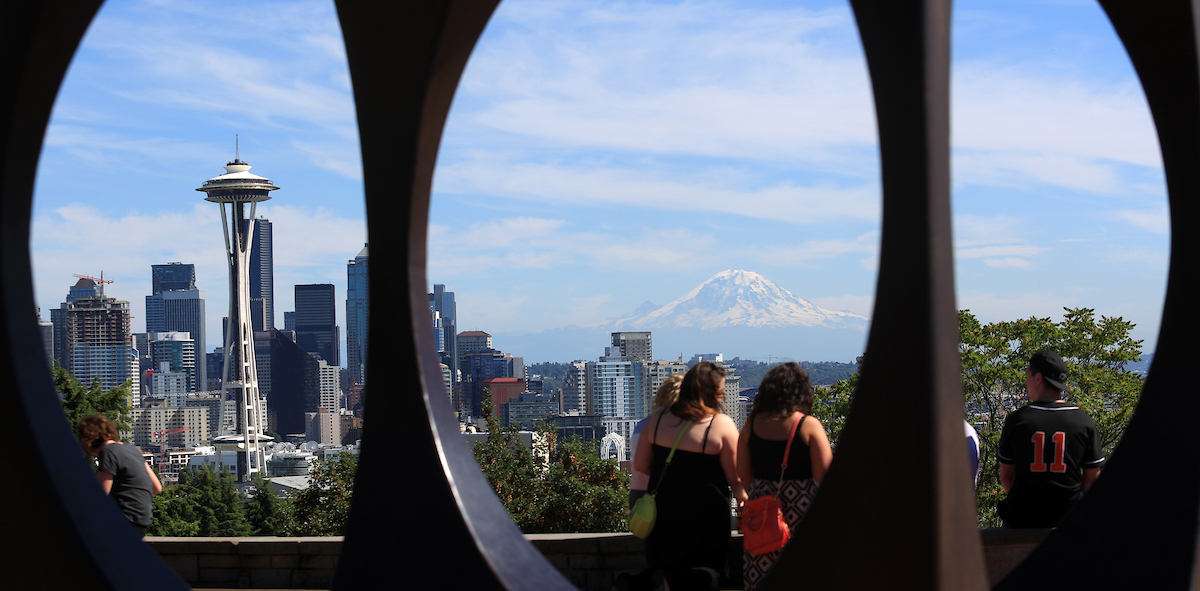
(598, 157)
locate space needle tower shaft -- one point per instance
(236, 189)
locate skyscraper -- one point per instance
(442, 302)
(95, 338)
(262, 277)
(176, 350)
(177, 306)
(612, 386)
(358, 316)
(316, 321)
(172, 277)
(634, 345)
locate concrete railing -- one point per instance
(590, 561)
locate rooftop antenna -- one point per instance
(237, 148)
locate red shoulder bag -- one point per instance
(763, 527)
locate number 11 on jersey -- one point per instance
(1039, 447)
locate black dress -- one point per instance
(692, 529)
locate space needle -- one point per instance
(237, 188)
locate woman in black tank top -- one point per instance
(783, 402)
(689, 545)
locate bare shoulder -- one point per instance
(725, 423)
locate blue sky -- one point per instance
(602, 154)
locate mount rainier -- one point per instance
(736, 299)
(737, 313)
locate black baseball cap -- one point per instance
(1051, 366)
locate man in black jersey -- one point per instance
(1049, 450)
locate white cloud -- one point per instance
(527, 243)
(862, 305)
(707, 79)
(808, 251)
(989, 307)
(1020, 250)
(696, 191)
(310, 246)
(1007, 263)
(1155, 221)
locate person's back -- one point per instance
(1049, 450)
(689, 544)
(131, 485)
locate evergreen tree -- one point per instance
(267, 513)
(204, 504)
(79, 402)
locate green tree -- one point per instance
(267, 513)
(554, 487)
(580, 491)
(323, 508)
(831, 404)
(79, 402)
(994, 358)
(204, 503)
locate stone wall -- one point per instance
(251, 563)
(589, 561)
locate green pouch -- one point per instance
(645, 512)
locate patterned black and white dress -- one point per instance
(795, 495)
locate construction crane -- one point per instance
(99, 280)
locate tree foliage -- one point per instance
(268, 514)
(556, 486)
(79, 402)
(831, 404)
(994, 358)
(323, 508)
(204, 503)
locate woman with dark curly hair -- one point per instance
(124, 474)
(784, 398)
(689, 545)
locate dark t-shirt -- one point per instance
(131, 488)
(1049, 444)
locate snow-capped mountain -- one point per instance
(737, 299)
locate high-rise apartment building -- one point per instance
(95, 338)
(176, 305)
(358, 316)
(84, 288)
(653, 374)
(613, 386)
(262, 277)
(574, 390)
(634, 345)
(469, 341)
(316, 321)
(330, 386)
(442, 302)
(176, 351)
